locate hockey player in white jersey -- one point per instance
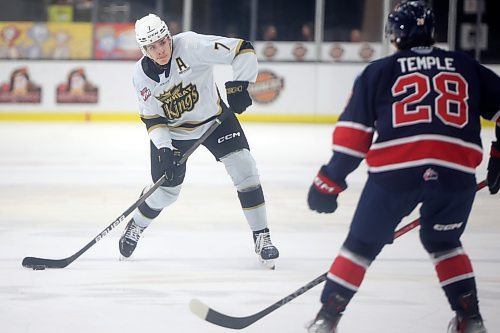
(178, 102)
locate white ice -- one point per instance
(62, 184)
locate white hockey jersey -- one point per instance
(182, 101)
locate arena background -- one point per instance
(309, 51)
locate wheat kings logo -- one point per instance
(178, 100)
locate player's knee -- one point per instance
(367, 250)
(434, 244)
(241, 166)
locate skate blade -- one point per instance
(269, 264)
(123, 258)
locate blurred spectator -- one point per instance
(307, 32)
(356, 36)
(232, 31)
(342, 18)
(270, 32)
(174, 27)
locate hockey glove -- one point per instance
(168, 162)
(493, 176)
(237, 95)
(323, 193)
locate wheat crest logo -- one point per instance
(178, 100)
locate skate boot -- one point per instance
(266, 251)
(129, 239)
(467, 319)
(328, 317)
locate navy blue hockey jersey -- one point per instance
(424, 106)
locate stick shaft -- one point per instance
(206, 313)
(30, 262)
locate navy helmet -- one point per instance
(410, 24)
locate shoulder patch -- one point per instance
(145, 93)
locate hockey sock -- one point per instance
(455, 273)
(345, 275)
(254, 207)
(148, 212)
(252, 198)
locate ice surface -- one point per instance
(62, 184)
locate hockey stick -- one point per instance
(207, 313)
(42, 263)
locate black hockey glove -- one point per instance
(493, 176)
(237, 95)
(323, 193)
(168, 162)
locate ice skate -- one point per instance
(466, 325)
(328, 316)
(468, 319)
(129, 239)
(266, 251)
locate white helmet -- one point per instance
(150, 29)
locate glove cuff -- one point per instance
(325, 185)
(234, 87)
(495, 150)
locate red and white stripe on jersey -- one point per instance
(352, 138)
(348, 269)
(453, 266)
(424, 149)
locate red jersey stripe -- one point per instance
(353, 138)
(452, 154)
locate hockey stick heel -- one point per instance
(34, 263)
(206, 313)
(37, 263)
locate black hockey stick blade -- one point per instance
(42, 263)
(204, 312)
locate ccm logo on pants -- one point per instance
(228, 137)
(447, 227)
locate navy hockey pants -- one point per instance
(443, 214)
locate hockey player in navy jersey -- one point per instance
(178, 102)
(414, 117)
